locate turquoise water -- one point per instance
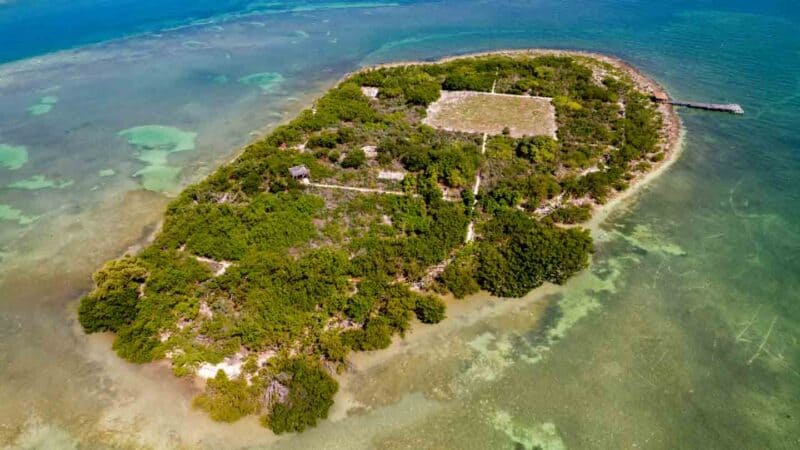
(683, 334)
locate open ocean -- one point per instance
(682, 334)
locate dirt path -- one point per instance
(356, 189)
(476, 188)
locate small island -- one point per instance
(404, 184)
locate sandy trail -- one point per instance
(356, 189)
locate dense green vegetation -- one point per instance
(461, 276)
(227, 400)
(519, 253)
(287, 279)
(310, 396)
(430, 309)
(570, 214)
(112, 303)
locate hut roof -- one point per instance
(299, 171)
(660, 96)
(370, 151)
(391, 175)
(368, 91)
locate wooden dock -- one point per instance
(732, 108)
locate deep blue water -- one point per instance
(33, 27)
(29, 28)
(682, 335)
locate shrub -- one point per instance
(519, 254)
(467, 79)
(354, 159)
(112, 303)
(571, 214)
(311, 392)
(459, 276)
(333, 156)
(538, 188)
(227, 400)
(504, 195)
(422, 92)
(345, 135)
(323, 140)
(172, 272)
(377, 334)
(500, 147)
(252, 184)
(333, 347)
(564, 102)
(468, 198)
(540, 150)
(430, 309)
(346, 103)
(136, 343)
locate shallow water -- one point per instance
(683, 334)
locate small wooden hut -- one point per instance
(660, 97)
(299, 172)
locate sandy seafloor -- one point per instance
(682, 334)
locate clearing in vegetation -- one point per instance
(268, 280)
(482, 112)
